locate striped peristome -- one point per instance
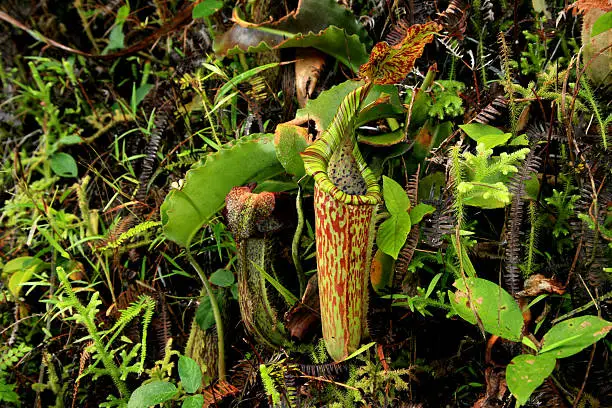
(343, 230)
(317, 156)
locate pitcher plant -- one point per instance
(346, 197)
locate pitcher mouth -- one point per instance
(318, 155)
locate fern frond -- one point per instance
(512, 277)
(534, 222)
(129, 234)
(160, 123)
(269, 384)
(490, 112)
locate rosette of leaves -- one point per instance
(346, 197)
(321, 24)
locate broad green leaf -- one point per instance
(190, 374)
(396, 199)
(392, 234)
(152, 394)
(321, 24)
(275, 186)
(496, 308)
(64, 165)
(520, 140)
(206, 8)
(321, 111)
(488, 135)
(603, 23)
(204, 314)
(526, 372)
(419, 211)
(573, 335)
(222, 277)
(289, 142)
(193, 401)
(141, 92)
(203, 193)
(19, 271)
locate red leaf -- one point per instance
(390, 64)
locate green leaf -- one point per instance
(289, 142)
(190, 373)
(496, 308)
(233, 83)
(222, 277)
(206, 8)
(419, 211)
(116, 39)
(573, 335)
(321, 24)
(520, 140)
(193, 401)
(141, 93)
(360, 350)
(386, 139)
(20, 271)
(64, 165)
(392, 234)
(488, 135)
(152, 394)
(525, 373)
(603, 23)
(184, 211)
(396, 199)
(321, 111)
(204, 315)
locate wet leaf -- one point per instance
(526, 372)
(498, 311)
(573, 335)
(321, 24)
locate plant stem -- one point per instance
(216, 313)
(295, 245)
